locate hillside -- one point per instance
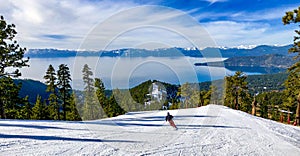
(163, 52)
(256, 83)
(270, 63)
(208, 130)
(32, 88)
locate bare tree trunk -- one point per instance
(289, 117)
(254, 103)
(2, 110)
(236, 102)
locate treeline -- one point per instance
(62, 102)
(279, 104)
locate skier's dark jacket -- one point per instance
(169, 117)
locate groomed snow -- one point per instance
(209, 130)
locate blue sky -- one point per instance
(112, 24)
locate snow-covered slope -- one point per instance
(209, 130)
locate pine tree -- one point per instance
(73, 113)
(64, 87)
(115, 108)
(100, 93)
(91, 109)
(213, 94)
(11, 56)
(9, 97)
(39, 111)
(185, 91)
(264, 106)
(195, 98)
(294, 17)
(27, 109)
(54, 107)
(236, 91)
(291, 92)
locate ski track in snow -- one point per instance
(208, 130)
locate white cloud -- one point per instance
(267, 14)
(215, 1)
(39, 22)
(230, 33)
(70, 18)
(162, 25)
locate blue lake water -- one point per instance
(117, 72)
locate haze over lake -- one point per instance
(117, 72)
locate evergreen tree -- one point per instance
(64, 87)
(27, 109)
(294, 17)
(292, 91)
(100, 93)
(87, 79)
(39, 110)
(54, 107)
(264, 106)
(228, 93)
(9, 97)
(202, 98)
(73, 113)
(213, 94)
(91, 109)
(236, 91)
(185, 92)
(115, 108)
(195, 99)
(11, 56)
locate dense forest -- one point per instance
(134, 99)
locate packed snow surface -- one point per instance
(208, 130)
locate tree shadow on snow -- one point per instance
(39, 137)
(145, 121)
(30, 126)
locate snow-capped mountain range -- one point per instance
(251, 50)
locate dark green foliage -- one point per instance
(73, 113)
(9, 98)
(236, 91)
(50, 78)
(293, 17)
(11, 56)
(266, 83)
(39, 111)
(64, 87)
(54, 105)
(115, 109)
(138, 93)
(294, 70)
(126, 102)
(102, 100)
(26, 110)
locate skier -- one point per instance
(169, 118)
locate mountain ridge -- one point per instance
(163, 52)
